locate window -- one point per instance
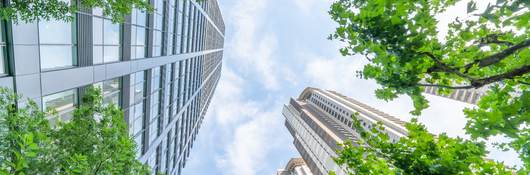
(171, 30)
(178, 30)
(106, 38)
(137, 110)
(111, 91)
(158, 27)
(3, 49)
(57, 44)
(63, 102)
(167, 92)
(185, 20)
(138, 33)
(154, 121)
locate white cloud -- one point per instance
(305, 6)
(245, 131)
(252, 50)
(252, 143)
(228, 104)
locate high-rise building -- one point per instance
(320, 120)
(295, 166)
(161, 68)
(464, 95)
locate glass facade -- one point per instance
(138, 34)
(158, 30)
(137, 110)
(185, 23)
(154, 121)
(105, 38)
(111, 91)
(63, 103)
(3, 48)
(57, 44)
(171, 29)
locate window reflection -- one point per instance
(158, 22)
(106, 39)
(111, 91)
(57, 44)
(137, 110)
(63, 103)
(3, 46)
(55, 56)
(138, 33)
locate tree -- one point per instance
(95, 141)
(25, 136)
(418, 153)
(489, 49)
(34, 10)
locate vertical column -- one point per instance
(126, 39)
(165, 32)
(84, 36)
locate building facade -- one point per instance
(470, 96)
(161, 68)
(295, 166)
(320, 120)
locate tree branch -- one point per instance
(485, 81)
(508, 75)
(96, 171)
(525, 83)
(492, 39)
(444, 67)
(495, 58)
(446, 86)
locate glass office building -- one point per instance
(161, 68)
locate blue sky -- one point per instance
(273, 50)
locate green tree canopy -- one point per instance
(34, 10)
(94, 141)
(490, 49)
(418, 153)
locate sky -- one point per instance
(273, 50)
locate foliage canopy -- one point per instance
(489, 49)
(34, 10)
(94, 141)
(419, 153)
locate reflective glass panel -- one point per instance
(63, 102)
(112, 53)
(53, 56)
(112, 33)
(55, 32)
